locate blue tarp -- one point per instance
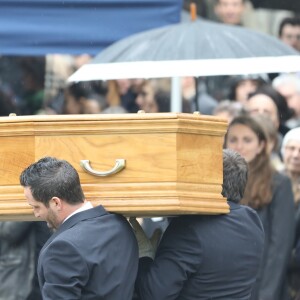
(39, 27)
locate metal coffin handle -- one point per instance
(119, 166)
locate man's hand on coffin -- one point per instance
(146, 248)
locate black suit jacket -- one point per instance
(93, 255)
(205, 257)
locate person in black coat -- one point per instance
(20, 244)
(205, 257)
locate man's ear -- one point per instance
(56, 203)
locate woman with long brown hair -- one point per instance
(270, 194)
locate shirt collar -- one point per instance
(87, 205)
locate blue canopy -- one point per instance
(39, 27)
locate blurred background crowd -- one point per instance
(263, 113)
(38, 85)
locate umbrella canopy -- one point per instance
(195, 48)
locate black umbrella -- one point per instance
(191, 49)
(195, 48)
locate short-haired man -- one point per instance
(230, 11)
(92, 254)
(289, 32)
(206, 257)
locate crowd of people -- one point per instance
(37, 85)
(251, 253)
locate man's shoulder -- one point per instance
(96, 229)
(249, 217)
(98, 217)
(91, 215)
(245, 211)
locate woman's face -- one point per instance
(244, 141)
(291, 157)
(145, 97)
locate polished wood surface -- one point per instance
(173, 161)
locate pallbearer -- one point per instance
(92, 253)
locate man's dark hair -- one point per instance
(235, 175)
(293, 21)
(162, 99)
(50, 177)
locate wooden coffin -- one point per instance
(172, 162)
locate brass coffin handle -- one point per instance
(119, 166)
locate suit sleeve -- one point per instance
(176, 260)
(280, 242)
(64, 271)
